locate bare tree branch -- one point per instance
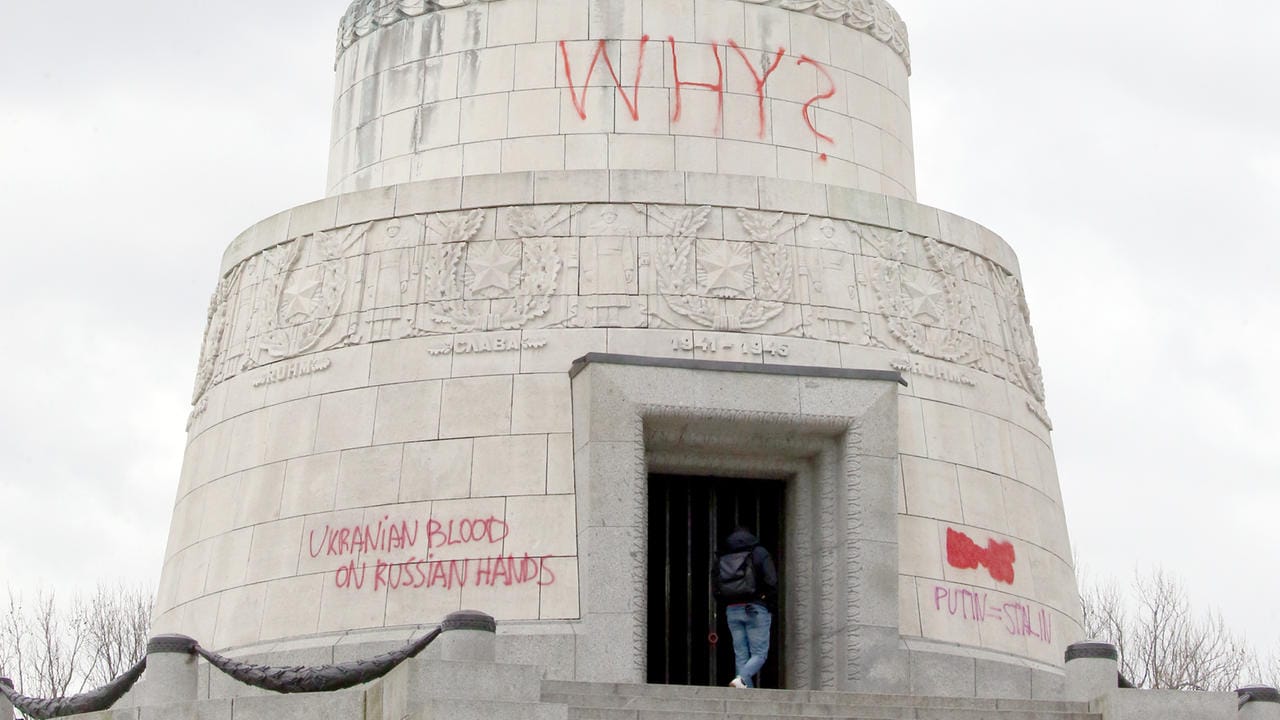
(1163, 641)
(52, 648)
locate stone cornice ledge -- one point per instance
(874, 17)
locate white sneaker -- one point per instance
(737, 683)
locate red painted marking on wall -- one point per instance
(489, 530)
(362, 545)
(824, 95)
(580, 99)
(578, 92)
(365, 538)
(717, 86)
(420, 574)
(760, 81)
(965, 554)
(977, 606)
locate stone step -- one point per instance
(441, 679)
(580, 713)
(453, 709)
(570, 692)
(621, 707)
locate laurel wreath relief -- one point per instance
(302, 309)
(536, 277)
(908, 295)
(681, 278)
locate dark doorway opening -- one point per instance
(689, 518)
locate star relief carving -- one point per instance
(492, 268)
(927, 310)
(300, 296)
(927, 296)
(725, 269)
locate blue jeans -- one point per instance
(749, 624)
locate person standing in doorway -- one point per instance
(746, 581)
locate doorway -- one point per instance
(689, 518)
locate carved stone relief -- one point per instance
(719, 272)
(609, 279)
(718, 284)
(1013, 350)
(472, 285)
(1020, 342)
(301, 302)
(211, 369)
(925, 308)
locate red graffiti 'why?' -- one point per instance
(965, 554)
(769, 64)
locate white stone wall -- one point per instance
(503, 86)
(400, 355)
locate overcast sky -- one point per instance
(1129, 152)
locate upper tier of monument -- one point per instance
(811, 90)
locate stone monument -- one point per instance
(594, 281)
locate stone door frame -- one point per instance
(831, 434)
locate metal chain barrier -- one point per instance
(319, 678)
(92, 701)
(291, 679)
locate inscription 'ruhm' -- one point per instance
(937, 371)
(769, 64)
(293, 369)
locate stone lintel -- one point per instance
(738, 367)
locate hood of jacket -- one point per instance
(741, 540)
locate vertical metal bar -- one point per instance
(713, 530)
(688, 584)
(778, 500)
(755, 513)
(666, 581)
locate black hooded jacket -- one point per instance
(766, 573)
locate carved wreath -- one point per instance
(537, 279)
(682, 280)
(907, 294)
(300, 311)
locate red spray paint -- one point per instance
(760, 81)
(580, 99)
(824, 95)
(717, 87)
(998, 557)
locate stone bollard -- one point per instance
(6, 708)
(171, 675)
(1091, 670)
(467, 635)
(1261, 703)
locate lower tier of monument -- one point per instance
(548, 396)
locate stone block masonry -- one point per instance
(717, 86)
(387, 425)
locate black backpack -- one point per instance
(735, 576)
